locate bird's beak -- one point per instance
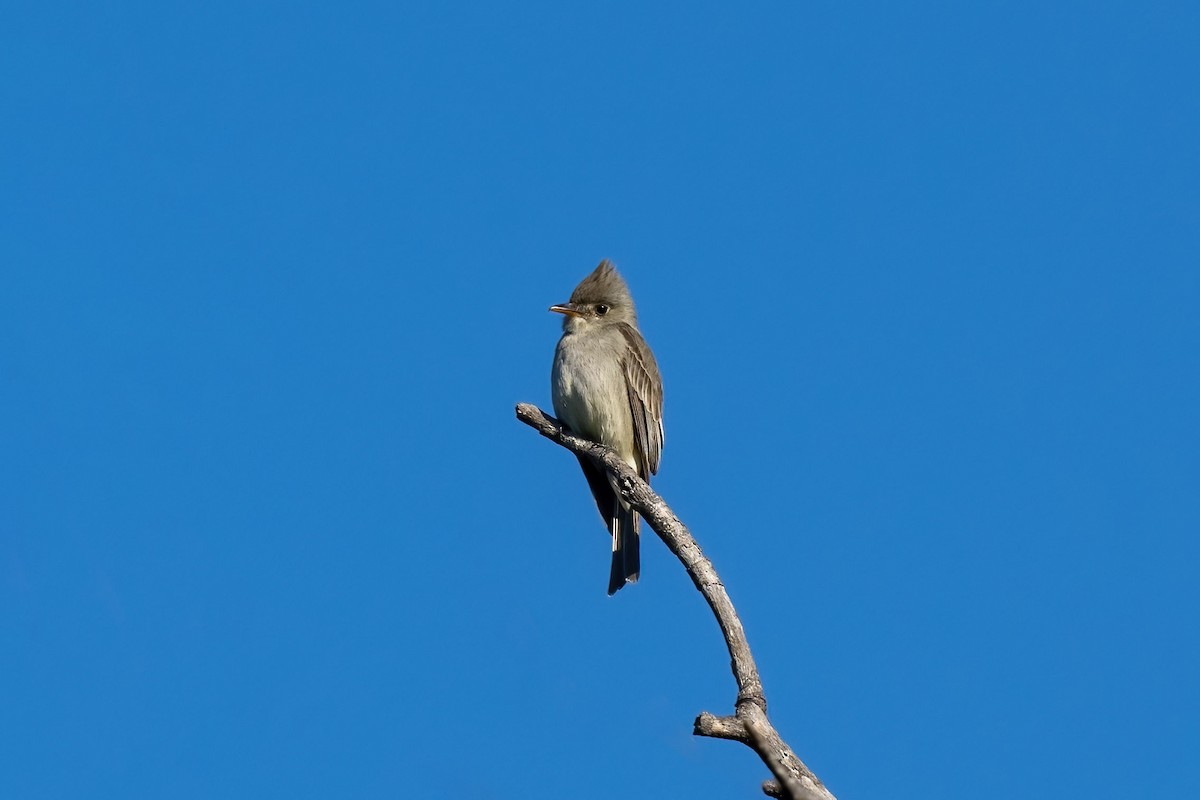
(569, 309)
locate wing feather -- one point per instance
(645, 400)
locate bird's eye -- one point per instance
(602, 309)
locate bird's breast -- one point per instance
(590, 396)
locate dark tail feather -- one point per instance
(626, 554)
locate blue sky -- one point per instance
(923, 285)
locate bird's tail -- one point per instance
(626, 550)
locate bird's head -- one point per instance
(602, 298)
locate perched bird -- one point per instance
(607, 388)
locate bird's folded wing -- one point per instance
(645, 400)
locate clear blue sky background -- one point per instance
(924, 286)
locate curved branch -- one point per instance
(749, 724)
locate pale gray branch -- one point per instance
(720, 727)
(749, 724)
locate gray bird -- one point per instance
(606, 388)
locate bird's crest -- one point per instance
(603, 285)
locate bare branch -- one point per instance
(720, 727)
(750, 725)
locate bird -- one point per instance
(607, 388)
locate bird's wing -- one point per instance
(645, 400)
